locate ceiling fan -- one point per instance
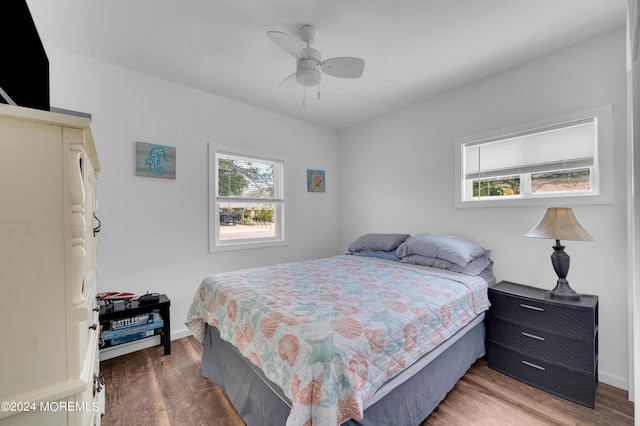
(309, 63)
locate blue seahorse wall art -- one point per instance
(155, 160)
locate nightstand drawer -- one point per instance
(572, 385)
(564, 320)
(571, 353)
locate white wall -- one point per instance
(154, 231)
(397, 175)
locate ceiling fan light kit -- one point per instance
(309, 64)
(309, 68)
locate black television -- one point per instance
(24, 74)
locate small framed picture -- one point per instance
(156, 161)
(315, 180)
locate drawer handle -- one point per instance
(93, 326)
(534, 365)
(96, 309)
(98, 383)
(97, 228)
(533, 336)
(533, 308)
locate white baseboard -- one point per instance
(180, 334)
(613, 381)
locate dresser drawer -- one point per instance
(574, 386)
(572, 321)
(574, 354)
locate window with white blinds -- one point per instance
(246, 208)
(556, 157)
(562, 147)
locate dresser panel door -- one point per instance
(32, 256)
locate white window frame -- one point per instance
(601, 176)
(215, 243)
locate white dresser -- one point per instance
(49, 367)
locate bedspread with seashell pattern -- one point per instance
(331, 331)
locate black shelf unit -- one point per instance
(121, 309)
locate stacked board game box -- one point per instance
(127, 329)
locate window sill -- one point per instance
(573, 200)
(243, 245)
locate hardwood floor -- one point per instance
(146, 388)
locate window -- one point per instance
(548, 159)
(246, 208)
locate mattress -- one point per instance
(329, 335)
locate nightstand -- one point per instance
(546, 343)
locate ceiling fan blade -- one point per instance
(288, 44)
(288, 82)
(343, 67)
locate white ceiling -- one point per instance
(412, 48)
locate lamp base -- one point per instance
(560, 261)
(563, 291)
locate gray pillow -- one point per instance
(445, 247)
(384, 242)
(475, 267)
(381, 254)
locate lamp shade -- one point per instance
(559, 223)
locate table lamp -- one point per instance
(559, 223)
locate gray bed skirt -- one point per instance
(261, 403)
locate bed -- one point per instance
(376, 336)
